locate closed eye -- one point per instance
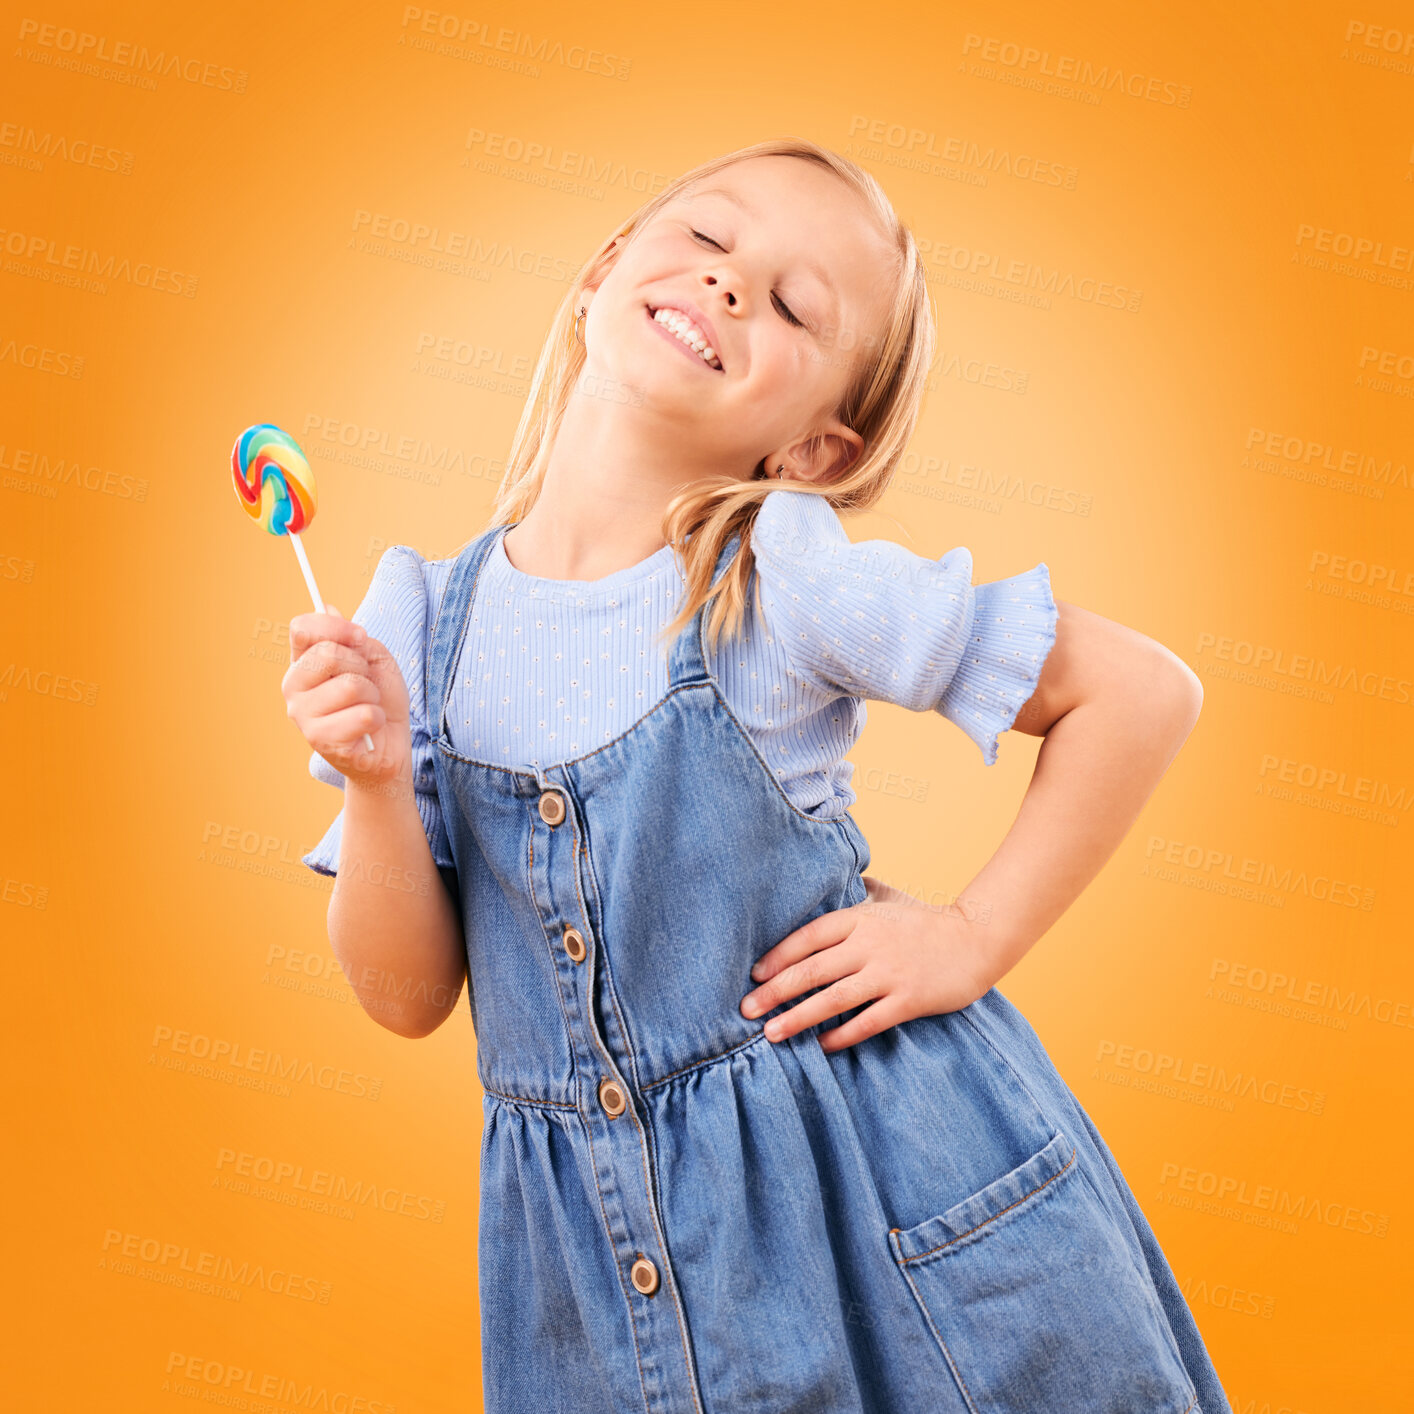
(798, 323)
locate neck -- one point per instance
(611, 473)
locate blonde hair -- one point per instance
(881, 404)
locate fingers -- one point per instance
(321, 659)
(339, 736)
(870, 1022)
(309, 629)
(333, 694)
(334, 701)
(820, 968)
(847, 993)
(818, 933)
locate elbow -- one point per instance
(1178, 693)
(416, 1033)
(1188, 694)
(401, 1022)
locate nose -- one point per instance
(712, 282)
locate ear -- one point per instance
(606, 263)
(823, 457)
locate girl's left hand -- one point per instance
(915, 958)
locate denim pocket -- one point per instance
(1036, 1301)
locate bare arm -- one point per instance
(1114, 707)
(392, 922)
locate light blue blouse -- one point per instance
(551, 669)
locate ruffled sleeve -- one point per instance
(395, 612)
(874, 620)
(1011, 632)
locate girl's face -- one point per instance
(782, 269)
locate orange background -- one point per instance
(1174, 474)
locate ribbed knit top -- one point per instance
(552, 669)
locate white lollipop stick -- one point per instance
(314, 593)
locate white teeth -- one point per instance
(688, 333)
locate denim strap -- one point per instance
(687, 661)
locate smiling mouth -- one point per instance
(678, 327)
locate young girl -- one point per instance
(760, 1133)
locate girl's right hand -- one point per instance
(340, 684)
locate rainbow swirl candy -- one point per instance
(273, 480)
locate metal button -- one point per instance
(552, 807)
(574, 944)
(612, 1098)
(644, 1275)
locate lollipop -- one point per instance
(275, 485)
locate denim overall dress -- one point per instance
(679, 1216)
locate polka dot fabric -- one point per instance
(552, 669)
(874, 620)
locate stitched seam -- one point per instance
(618, 1266)
(746, 737)
(761, 761)
(631, 1109)
(431, 642)
(607, 974)
(554, 971)
(1011, 1070)
(710, 681)
(451, 664)
(526, 1100)
(667, 1261)
(938, 1336)
(918, 1256)
(705, 1060)
(644, 1138)
(594, 1170)
(575, 760)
